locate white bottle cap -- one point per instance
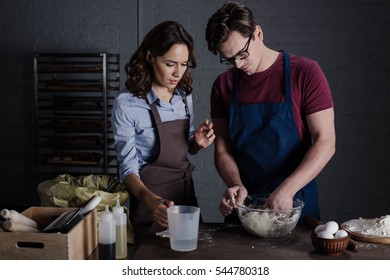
(107, 215)
(118, 209)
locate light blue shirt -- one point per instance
(134, 134)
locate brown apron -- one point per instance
(170, 175)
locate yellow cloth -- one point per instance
(68, 191)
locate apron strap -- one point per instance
(156, 115)
(235, 98)
(287, 87)
(287, 78)
(186, 107)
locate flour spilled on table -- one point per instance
(206, 235)
(378, 227)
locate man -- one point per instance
(273, 116)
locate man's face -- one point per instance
(243, 52)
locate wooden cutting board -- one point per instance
(364, 238)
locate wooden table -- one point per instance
(231, 242)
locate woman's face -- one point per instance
(169, 68)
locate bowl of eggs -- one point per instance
(264, 222)
(328, 239)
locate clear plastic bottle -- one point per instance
(121, 230)
(107, 236)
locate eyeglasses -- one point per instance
(239, 56)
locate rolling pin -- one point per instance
(313, 223)
(14, 226)
(18, 218)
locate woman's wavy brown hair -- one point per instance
(157, 42)
(230, 17)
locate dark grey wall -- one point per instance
(349, 39)
(28, 27)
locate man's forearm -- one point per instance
(312, 164)
(228, 170)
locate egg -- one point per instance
(325, 234)
(319, 228)
(341, 234)
(331, 227)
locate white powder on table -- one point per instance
(378, 227)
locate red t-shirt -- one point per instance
(310, 89)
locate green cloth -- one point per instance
(68, 191)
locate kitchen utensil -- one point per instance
(112, 186)
(267, 222)
(10, 225)
(68, 220)
(183, 224)
(18, 218)
(313, 223)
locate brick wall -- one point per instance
(28, 27)
(349, 39)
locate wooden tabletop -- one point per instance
(231, 242)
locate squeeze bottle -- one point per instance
(107, 236)
(121, 230)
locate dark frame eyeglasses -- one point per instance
(239, 56)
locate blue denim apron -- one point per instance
(267, 146)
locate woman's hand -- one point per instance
(160, 212)
(204, 134)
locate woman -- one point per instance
(152, 122)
